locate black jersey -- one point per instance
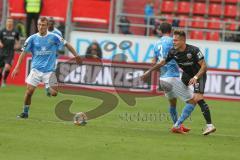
(187, 60)
(8, 39)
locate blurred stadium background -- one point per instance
(212, 25)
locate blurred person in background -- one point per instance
(32, 9)
(124, 28)
(229, 37)
(237, 39)
(52, 28)
(176, 21)
(9, 40)
(94, 50)
(149, 13)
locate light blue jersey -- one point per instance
(56, 31)
(43, 49)
(160, 52)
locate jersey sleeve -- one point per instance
(169, 56)
(198, 55)
(27, 47)
(59, 33)
(60, 41)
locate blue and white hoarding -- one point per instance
(219, 55)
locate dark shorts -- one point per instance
(6, 58)
(199, 87)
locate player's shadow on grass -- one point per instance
(109, 100)
(109, 103)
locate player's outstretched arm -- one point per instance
(1, 38)
(19, 62)
(1, 44)
(17, 45)
(155, 67)
(74, 53)
(201, 71)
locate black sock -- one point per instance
(0, 78)
(205, 111)
(6, 73)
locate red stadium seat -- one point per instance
(230, 11)
(183, 20)
(214, 23)
(199, 8)
(169, 17)
(86, 12)
(232, 22)
(215, 10)
(231, 1)
(167, 6)
(215, 1)
(196, 35)
(214, 36)
(183, 7)
(198, 22)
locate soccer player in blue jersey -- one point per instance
(169, 74)
(43, 46)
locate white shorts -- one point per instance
(35, 77)
(174, 87)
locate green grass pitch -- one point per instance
(117, 135)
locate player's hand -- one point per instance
(15, 72)
(1, 45)
(145, 76)
(192, 81)
(17, 47)
(78, 60)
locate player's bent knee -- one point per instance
(54, 94)
(53, 91)
(192, 101)
(29, 93)
(173, 102)
(198, 97)
(30, 90)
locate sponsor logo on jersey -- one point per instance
(199, 54)
(189, 55)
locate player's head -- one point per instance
(165, 28)
(51, 24)
(179, 39)
(42, 25)
(9, 23)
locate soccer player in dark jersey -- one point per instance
(9, 40)
(190, 59)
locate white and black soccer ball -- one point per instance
(80, 119)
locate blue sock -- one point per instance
(26, 109)
(187, 110)
(173, 113)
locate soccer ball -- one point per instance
(80, 119)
